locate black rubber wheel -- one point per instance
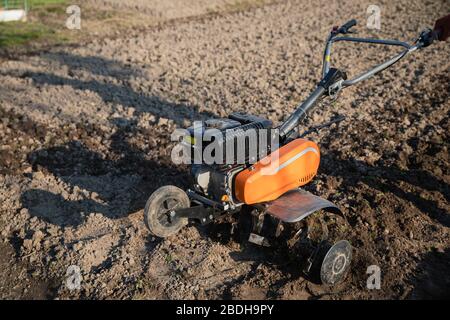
(157, 211)
(335, 262)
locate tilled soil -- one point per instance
(85, 139)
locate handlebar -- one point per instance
(441, 32)
(333, 80)
(345, 28)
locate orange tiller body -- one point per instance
(287, 168)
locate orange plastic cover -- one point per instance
(289, 167)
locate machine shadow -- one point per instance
(79, 167)
(433, 281)
(386, 179)
(78, 160)
(115, 87)
(113, 188)
(233, 232)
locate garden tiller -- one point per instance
(264, 189)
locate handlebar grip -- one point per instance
(346, 26)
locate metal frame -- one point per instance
(365, 75)
(204, 211)
(334, 80)
(200, 212)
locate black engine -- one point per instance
(220, 148)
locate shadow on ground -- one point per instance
(117, 90)
(386, 179)
(78, 166)
(433, 280)
(113, 188)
